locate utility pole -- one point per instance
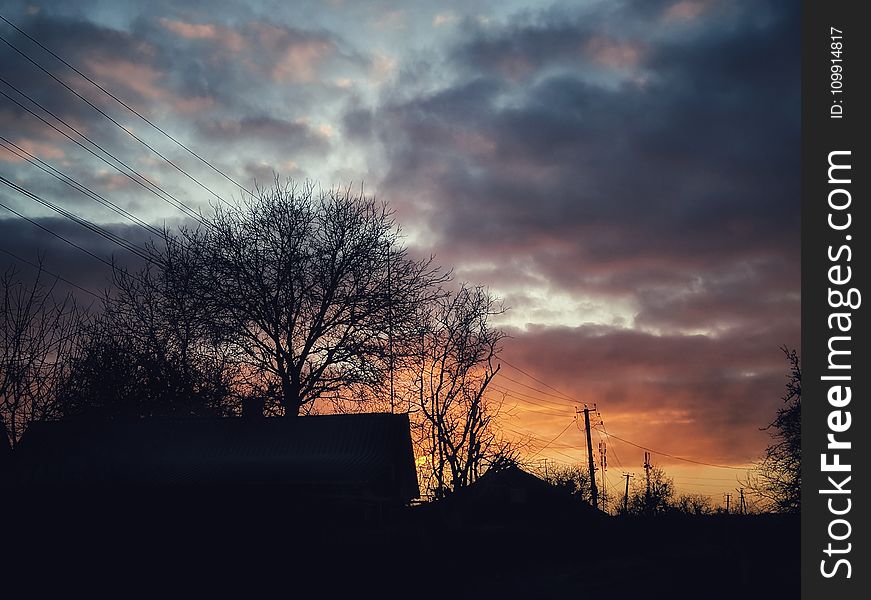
(390, 327)
(626, 495)
(728, 502)
(422, 361)
(742, 507)
(603, 467)
(594, 493)
(647, 467)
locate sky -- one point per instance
(623, 174)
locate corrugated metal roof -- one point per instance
(359, 453)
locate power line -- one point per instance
(566, 397)
(533, 437)
(57, 235)
(125, 105)
(518, 406)
(692, 484)
(112, 119)
(59, 175)
(151, 187)
(547, 385)
(102, 232)
(689, 460)
(559, 435)
(544, 401)
(99, 230)
(532, 388)
(527, 399)
(733, 480)
(47, 272)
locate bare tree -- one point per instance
(311, 294)
(39, 334)
(573, 479)
(456, 428)
(652, 494)
(777, 477)
(693, 504)
(119, 373)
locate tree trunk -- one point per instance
(290, 399)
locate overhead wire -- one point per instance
(108, 235)
(534, 388)
(112, 119)
(543, 401)
(101, 231)
(555, 438)
(57, 235)
(51, 274)
(606, 433)
(689, 460)
(126, 105)
(80, 187)
(607, 436)
(546, 409)
(534, 378)
(142, 181)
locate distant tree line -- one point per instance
(659, 498)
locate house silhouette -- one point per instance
(510, 496)
(343, 466)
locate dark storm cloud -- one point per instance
(641, 151)
(290, 135)
(30, 243)
(682, 165)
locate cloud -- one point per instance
(613, 53)
(145, 82)
(444, 18)
(287, 55)
(297, 136)
(603, 189)
(603, 156)
(706, 398)
(391, 19)
(687, 10)
(224, 36)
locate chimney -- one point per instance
(252, 407)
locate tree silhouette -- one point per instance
(693, 504)
(309, 294)
(652, 494)
(456, 362)
(575, 480)
(117, 373)
(777, 478)
(39, 334)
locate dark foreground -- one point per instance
(173, 547)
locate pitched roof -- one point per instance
(367, 454)
(511, 494)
